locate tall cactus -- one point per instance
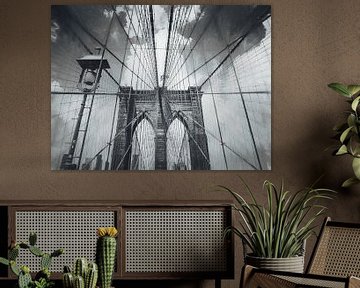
(106, 254)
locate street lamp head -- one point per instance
(92, 66)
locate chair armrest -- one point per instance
(252, 277)
(354, 282)
(255, 277)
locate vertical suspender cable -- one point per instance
(168, 43)
(217, 120)
(153, 43)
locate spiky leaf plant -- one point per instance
(279, 229)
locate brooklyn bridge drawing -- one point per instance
(160, 87)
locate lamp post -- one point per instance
(92, 66)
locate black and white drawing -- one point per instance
(160, 87)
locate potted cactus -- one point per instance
(42, 278)
(84, 275)
(106, 254)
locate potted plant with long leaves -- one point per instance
(275, 233)
(348, 132)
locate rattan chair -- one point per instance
(334, 263)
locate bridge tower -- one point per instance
(160, 107)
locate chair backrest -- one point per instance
(337, 251)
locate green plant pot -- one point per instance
(291, 264)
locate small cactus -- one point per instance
(32, 238)
(81, 267)
(91, 276)
(24, 246)
(36, 251)
(44, 273)
(57, 252)
(13, 253)
(24, 278)
(45, 261)
(67, 269)
(106, 254)
(79, 282)
(68, 280)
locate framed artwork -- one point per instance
(160, 87)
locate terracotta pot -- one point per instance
(291, 264)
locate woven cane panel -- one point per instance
(309, 282)
(175, 241)
(339, 252)
(74, 231)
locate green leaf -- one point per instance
(349, 182)
(351, 120)
(345, 134)
(340, 127)
(340, 88)
(14, 268)
(353, 89)
(356, 167)
(354, 145)
(4, 261)
(355, 103)
(342, 150)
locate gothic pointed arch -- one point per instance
(178, 146)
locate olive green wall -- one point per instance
(314, 42)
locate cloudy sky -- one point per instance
(201, 33)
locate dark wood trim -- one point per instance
(343, 224)
(316, 247)
(301, 276)
(4, 239)
(175, 275)
(118, 225)
(11, 235)
(114, 203)
(120, 208)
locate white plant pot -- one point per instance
(291, 264)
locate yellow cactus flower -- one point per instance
(106, 231)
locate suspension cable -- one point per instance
(263, 18)
(168, 43)
(153, 42)
(115, 137)
(127, 36)
(216, 138)
(103, 46)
